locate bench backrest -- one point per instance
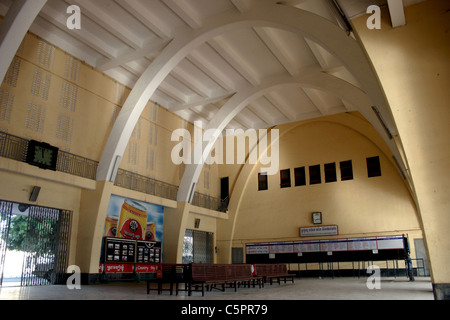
(220, 272)
(174, 271)
(270, 269)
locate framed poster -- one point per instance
(148, 252)
(119, 250)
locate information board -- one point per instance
(357, 244)
(307, 246)
(148, 252)
(327, 245)
(120, 250)
(390, 242)
(257, 248)
(281, 247)
(333, 245)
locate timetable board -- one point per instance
(327, 245)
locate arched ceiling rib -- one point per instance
(122, 38)
(125, 38)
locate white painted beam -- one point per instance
(277, 50)
(110, 24)
(148, 17)
(13, 29)
(199, 101)
(185, 12)
(149, 49)
(55, 13)
(397, 13)
(301, 22)
(309, 78)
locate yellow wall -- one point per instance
(413, 66)
(50, 96)
(58, 190)
(360, 207)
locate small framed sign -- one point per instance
(317, 217)
(42, 155)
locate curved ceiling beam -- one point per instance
(295, 20)
(307, 79)
(14, 27)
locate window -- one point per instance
(373, 167)
(300, 176)
(314, 174)
(346, 170)
(262, 181)
(285, 178)
(330, 172)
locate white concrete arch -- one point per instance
(240, 100)
(298, 21)
(13, 29)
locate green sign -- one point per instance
(42, 155)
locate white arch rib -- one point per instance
(240, 100)
(295, 20)
(13, 29)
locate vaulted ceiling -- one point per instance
(123, 37)
(277, 61)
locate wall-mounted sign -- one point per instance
(317, 217)
(319, 231)
(42, 155)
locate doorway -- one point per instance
(224, 193)
(33, 244)
(198, 247)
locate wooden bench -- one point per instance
(273, 271)
(209, 276)
(173, 274)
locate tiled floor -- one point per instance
(302, 289)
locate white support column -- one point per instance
(13, 29)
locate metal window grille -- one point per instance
(198, 247)
(46, 243)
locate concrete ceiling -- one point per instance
(228, 63)
(122, 38)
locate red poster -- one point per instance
(118, 268)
